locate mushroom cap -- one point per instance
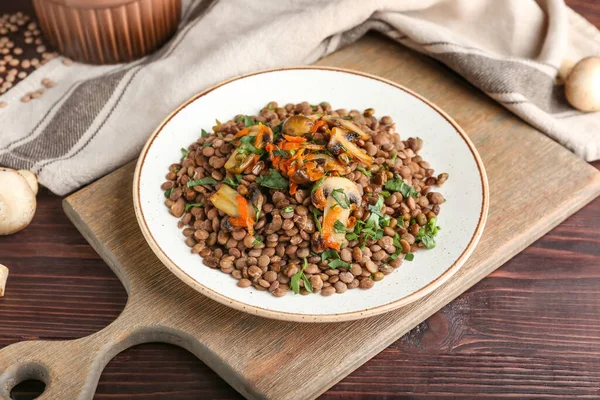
(582, 88)
(332, 183)
(17, 202)
(31, 179)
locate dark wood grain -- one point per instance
(528, 330)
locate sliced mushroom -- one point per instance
(297, 125)
(3, 278)
(325, 197)
(239, 160)
(347, 125)
(17, 202)
(340, 143)
(225, 199)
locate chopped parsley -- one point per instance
(317, 185)
(385, 193)
(288, 209)
(247, 146)
(277, 132)
(351, 236)
(190, 205)
(333, 259)
(409, 257)
(340, 197)
(398, 185)
(257, 212)
(316, 213)
(394, 155)
(184, 153)
(234, 181)
(338, 227)
(295, 281)
(368, 174)
(273, 180)
(203, 181)
(257, 241)
(372, 228)
(168, 192)
(280, 153)
(204, 134)
(207, 144)
(270, 106)
(427, 233)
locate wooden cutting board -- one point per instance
(534, 184)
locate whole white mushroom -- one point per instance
(582, 87)
(17, 201)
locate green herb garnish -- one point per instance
(184, 153)
(340, 197)
(247, 146)
(168, 192)
(273, 180)
(203, 181)
(368, 174)
(316, 213)
(248, 121)
(257, 241)
(295, 281)
(257, 212)
(190, 205)
(270, 106)
(280, 153)
(234, 181)
(348, 117)
(204, 134)
(351, 236)
(330, 255)
(427, 233)
(207, 144)
(409, 257)
(394, 155)
(288, 209)
(317, 185)
(398, 185)
(385, 193)
(338, 227)
(338, 264)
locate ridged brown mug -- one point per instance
(108, 31)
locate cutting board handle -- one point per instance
(71, 369)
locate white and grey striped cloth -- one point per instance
(97, 118)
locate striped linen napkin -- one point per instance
(98, 117)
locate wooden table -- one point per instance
(523, 331)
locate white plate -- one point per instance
(446, 147)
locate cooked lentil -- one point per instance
(304, 198)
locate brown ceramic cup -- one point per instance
(108, 31)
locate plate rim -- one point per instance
(295, 317)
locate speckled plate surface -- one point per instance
(446, 147)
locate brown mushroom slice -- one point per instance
(347, 125)
(225, 199)
(327, 162)
(297, 125)
(339, 142)
(239, 161)
(342, 197)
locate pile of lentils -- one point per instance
(22, 51)
(286, 244)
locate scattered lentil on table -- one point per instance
(19, 38)
(305, 198)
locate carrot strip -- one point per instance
(317, 125)
(241, 133)
(244, 220)
(295, 139)
(332, 215)
(293, 188)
